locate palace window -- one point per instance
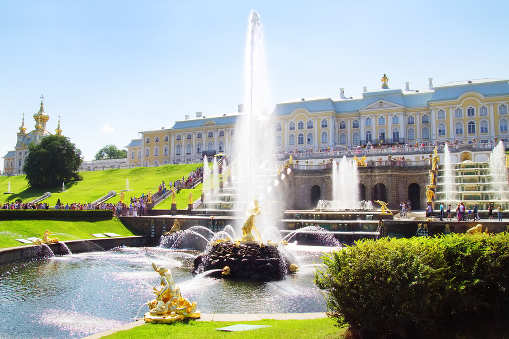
(147, 140)
(210, 147)
(471, 127)
(342, 125)
(425, 119)
(278, 140)
(300, 139)
(484, 126)
(325, 138)
(188, 136)
(441, 129)
(310, 124)
(179, 137)
(199, 136)
(221, 146)
(156, 139)
(410, 134)
(355, 138)
(324, 123)
(395, 135)
(458, 113)
(310, 138)
(291, 140)
(221, 133)
(211, 135)
(342, 139)
(189, 149)
(198, 148)
(395, 120)
(410, 120)
(178, 150)
(355, 124)
(381, 135)
(300, 125)
(166, 150)
(483, 111)
(156, 151)
(381, 121)
(278, 127)
(368, 136)
(368, 121)
(470, 112)
(425, 133)
(166, 138)
(441, 114)
(502, 109)
(292, 126)
(147, 152)
(458, 128)
(133, 154)
(503, 126)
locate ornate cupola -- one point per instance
(41, 118)
(58, 131)
(22, 128)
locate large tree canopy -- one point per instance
(110, 152)
(53, 161)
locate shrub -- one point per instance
(406, 287)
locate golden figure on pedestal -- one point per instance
(249, 226)
(46, 239)
(384, 208)
(169, 305)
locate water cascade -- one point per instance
(127, 184)
(345, 180)
(498, 175)
(448, 184)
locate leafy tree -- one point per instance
(53, 161)
(110, 152)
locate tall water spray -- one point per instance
(345, 179)
(448, 177)
(206, 180)
(498, 174)
(254, 139)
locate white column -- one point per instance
(361, 129)
(491, 115)
(389, 127)
(433, 124)
(418, 128)
(451, 119)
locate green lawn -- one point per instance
(182, 198)
(11, 230)
(98, 183)
(313, 329)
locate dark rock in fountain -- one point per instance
(246, 261)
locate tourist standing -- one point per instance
(490, 211)
(499, 212)
(441, 211)
(476, 213)
(449, 214)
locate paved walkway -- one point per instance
(221, 317)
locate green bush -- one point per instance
(408, 287)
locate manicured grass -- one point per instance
(182, 198)
(313, 329)
(98, 183)
(63, 230)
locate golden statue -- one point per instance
(190, 198)
(249, 226)
(169, 305)
(46, 239)
(475, 230)
(290, 161)
(226, 271)
(362, 161)
(385, 80)
(122, 197)
(429, 195)
(174, 229)
(149, 197)
(173, 196)
(384, 208)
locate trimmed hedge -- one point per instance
(409, 287)
(55, 215)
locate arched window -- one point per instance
(210, 147)
(211, 135)
(166, 138)
(189, 136)
(310, 124)
(325, 138)
(199, 148)
(147, 140)
(291, 126)
(300, 125)
(395, 135)
(199, 136)
(458, 128)
(368, 121)
(441, 129)
(471, 127)
(458, 113)
(355, 138)
(502, 109)
(310, 138)
(232, 132)
(221, 146)
(156, 139)
(156, 151)
(278, 127)
(156, 163)
(410, 120)
(483, 111)
(368, 136)
(484, 126)
(441, 114)
(300, 139)
(147, 151)
(139, 154)
(166, 150)
(425, 133)
(291, 140)
(278, 140)
(342, 139)
(395, 120)
(355, 124)
(381, 121)
(381, 135)
(221, 133)
(133, 154)
(178, 150)
(425, 119)
(179, 137)
(410, 134)
(342, 125)
(503, 125)
(324, 123)
(189, 148)
(470, 112)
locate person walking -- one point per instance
(441, 211)
(499, 212)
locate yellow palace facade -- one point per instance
(464, 112)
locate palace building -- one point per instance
(15, 160)
(471, 111)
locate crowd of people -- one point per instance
(464, 214)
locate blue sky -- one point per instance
(113, 68)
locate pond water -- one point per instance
(77, 295)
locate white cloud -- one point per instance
(107, 129)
